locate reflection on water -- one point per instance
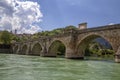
(17, 67)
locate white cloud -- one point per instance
(21, 15)
(111, 24)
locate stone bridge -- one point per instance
(75, 42)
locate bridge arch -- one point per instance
(83, 43)
(36, 49)
(24, 49)
(57, 48)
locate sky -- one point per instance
(30, 16)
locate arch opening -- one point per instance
(24, 50)
(95, 47)
(57, 49)
(36, 49)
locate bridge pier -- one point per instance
(47, 55)
(117, 58)
(44, 53)
(74, 57)
(71, 54)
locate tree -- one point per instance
(70, 27)
(61, 49)
(15, 38)
(97, 49)
(6, 37)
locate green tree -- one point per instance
(53, 32)
(61, 49)
(70, 27)
(96, 49)
(15, 38)
(6, 37)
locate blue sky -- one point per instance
(61, 13)
(31, 16)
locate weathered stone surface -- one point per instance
(75, 42)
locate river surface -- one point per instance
(21, 67)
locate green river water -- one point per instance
(21, 67)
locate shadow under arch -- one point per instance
(24, 50)
(83, 44)
(36, 49)
(57, 49)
